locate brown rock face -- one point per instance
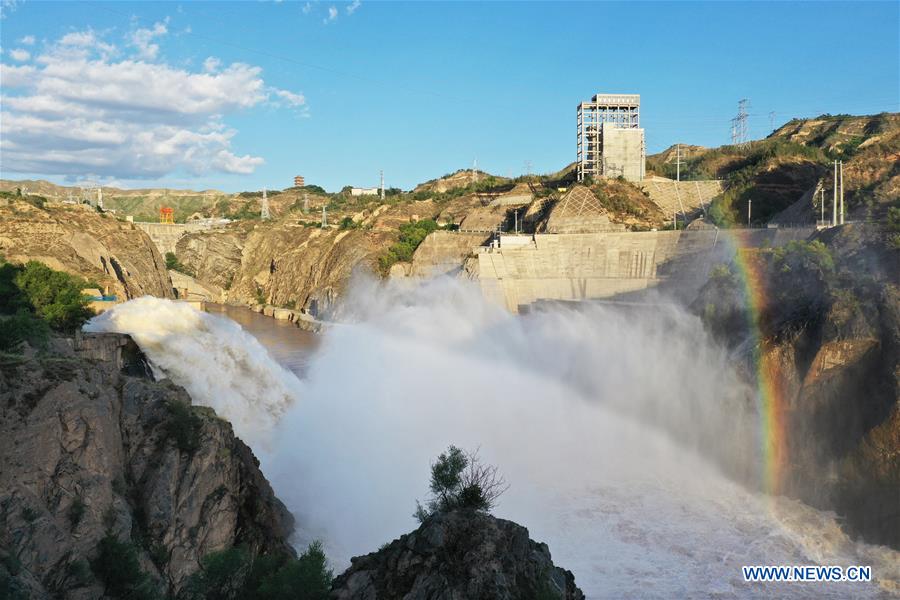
(835, 348)
(458, 555)
(78, 240)
(214, 257)
(86, 449)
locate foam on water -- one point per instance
(581, 409)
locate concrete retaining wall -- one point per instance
(603, 265)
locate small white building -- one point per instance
(355, 191)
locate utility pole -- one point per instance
(772, 120)
(265, 206)
(528, 167)
(475, 169)
(749, 210)
(382, 185)
(842, 191)
(822, 204)
(305, 203)
(678, 162)
(834, 199)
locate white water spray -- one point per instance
(217, 362)
(558, 399)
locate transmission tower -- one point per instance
(739, 129)
(772, 120)
(382, 186)
(475, 169)
(264, 213)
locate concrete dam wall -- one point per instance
(166, 235)
(525, 269)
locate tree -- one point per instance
(54, 296)
(236, 573)
(459, 480)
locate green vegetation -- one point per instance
(183, 426)
(116, 564)
(460, 481)
(742, 178)
(146, 207)
(35, 298)
(76, 512)
(23, 327)
(53, 295)
(33, 199)
(237, 574)
(893, 224)
(411, 235)
(173, 264)
(348, 223)
(246, 211)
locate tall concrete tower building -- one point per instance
(610, 138)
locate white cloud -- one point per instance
(332, 15)
(20, 54)
(142, 40)
(351, 8)
(307, 8)
(291, 98)
(78, 111)
(28, 40)
(83, 43)
(7, 7)
(211, 64)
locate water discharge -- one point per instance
(613, 428)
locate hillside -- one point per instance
(80, 241)
(786, 167)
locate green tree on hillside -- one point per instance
(411, 235)
(54, 296)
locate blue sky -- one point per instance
(148, 94)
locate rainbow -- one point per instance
(770, 393)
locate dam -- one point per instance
(518, 270)
(166, 235)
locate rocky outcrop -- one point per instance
(81, 241)
(830, 325)
(212, 257)
(87, 449)
(458, 555)
(294, 263)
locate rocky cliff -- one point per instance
(92, 447)
(81, 241)
(830, 326)
(292, 262)
(458, 555)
